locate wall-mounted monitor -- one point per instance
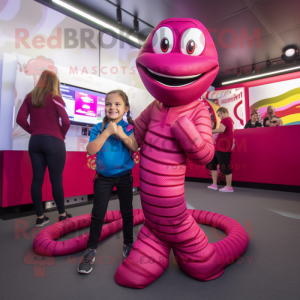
(84, 107)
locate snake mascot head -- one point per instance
(177, 63)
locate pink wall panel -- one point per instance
(1, 176)
(77, 176)
(17, 176)
(262, 155)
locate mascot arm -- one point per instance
(141, 124)
(195, 137)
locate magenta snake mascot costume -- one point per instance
(177, 63)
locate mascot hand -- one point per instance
(185, 132)
(182, 121)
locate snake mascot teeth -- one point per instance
(177, 64)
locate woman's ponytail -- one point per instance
(129, 119)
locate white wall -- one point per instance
(8, 76)
(48, 32)
(47, 35)
(138, 98)
(117, 61)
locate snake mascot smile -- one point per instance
(177, 63)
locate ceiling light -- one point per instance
(289, 54)
(260, 75)
(119, 15)
(97, 21)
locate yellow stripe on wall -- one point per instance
(291, 118)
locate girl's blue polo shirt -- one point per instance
(114, 158)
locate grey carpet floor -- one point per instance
(269, 269)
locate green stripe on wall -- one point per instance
(270, 101)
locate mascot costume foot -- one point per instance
(177, 64)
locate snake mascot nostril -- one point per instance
(177, 64)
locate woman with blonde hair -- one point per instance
(46, 146)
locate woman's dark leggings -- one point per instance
(103, 187)
(47, 150)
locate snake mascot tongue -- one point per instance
(177, 64)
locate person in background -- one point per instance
(271, 114)
(46, 146)
(258, 115)
(112, 140)
(223, 147)
(276, 122)
(253, 123)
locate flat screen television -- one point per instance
(84, 107)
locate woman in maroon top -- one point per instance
(46, 146)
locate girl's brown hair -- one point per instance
(47, 83)
(126, 101)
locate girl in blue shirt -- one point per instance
(112, 140)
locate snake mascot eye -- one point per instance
(163, 40)
(192, 42)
